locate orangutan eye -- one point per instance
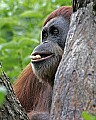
(54, 31)
(44, 34)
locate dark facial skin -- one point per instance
(46, 57)
(56, 31)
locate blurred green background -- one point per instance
(20, 26)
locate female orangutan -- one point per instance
(34, 86)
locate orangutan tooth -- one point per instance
(35, 57)
(38, 56)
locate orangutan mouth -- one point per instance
(40, 56)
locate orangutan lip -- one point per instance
(40, 56)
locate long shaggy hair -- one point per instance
(33, 94)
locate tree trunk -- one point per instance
(75, 81)
(11, 109)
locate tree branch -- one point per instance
(11, 109)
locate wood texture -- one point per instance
(75, 81)
(11, 109)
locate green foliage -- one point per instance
(20, 26)
(3, 90)
(2, 94)
(87, 116)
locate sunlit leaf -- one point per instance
(30, 14)
(88, 116)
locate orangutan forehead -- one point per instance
(58, 21)
(64, 11)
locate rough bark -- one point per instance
(75, 81)
(11, 109)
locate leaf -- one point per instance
(11, 21)
(2, 40)
(88, 116)
(30, 14)
(9, 45)
(3, 92)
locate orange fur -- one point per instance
(64, 11)
(32, 94)
(36, 96)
